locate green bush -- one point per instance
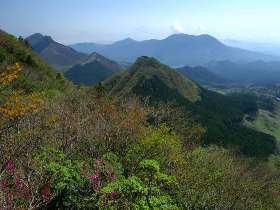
(145, 190)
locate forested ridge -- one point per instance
(107, 147)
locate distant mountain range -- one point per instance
(93, 69)
(176, 50)
(221, 64)
(57, 55)
(257, 72)
(202, 76)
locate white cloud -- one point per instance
(177, 27)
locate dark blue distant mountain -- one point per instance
(54, 53)
(95, 68)
(203, 76)
(257, 72)
(176, 50)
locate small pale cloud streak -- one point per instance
(177, 27)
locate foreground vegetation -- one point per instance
(64, 147)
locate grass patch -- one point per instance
(266, 121)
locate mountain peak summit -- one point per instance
(125, 41)
(96, 57)
(147, 77)
(147, 61)
(36, 36)
(39, 42)
(53, 52)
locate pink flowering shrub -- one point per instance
(20, 191)
(105, 170)
(13, 187)
(10, 167)
(45, 193)
(102, 174)
(78, 185)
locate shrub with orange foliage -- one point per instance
(10, 74)
(17, 105)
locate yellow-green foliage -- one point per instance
(161, 144)
(147, 189)
(215, 178)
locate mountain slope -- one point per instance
(176, 50)
(95, 68)
(53, 52)
(202, 76)
(147, 77)
(221, 115)
(36, 74)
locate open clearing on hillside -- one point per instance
(267, 122)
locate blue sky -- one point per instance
(70, 21)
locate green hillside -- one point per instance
(36, 74)
(148, 77)
(221, 115)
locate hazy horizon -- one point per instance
(69, 21)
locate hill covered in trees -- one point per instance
(149, 77)
(221, 115)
